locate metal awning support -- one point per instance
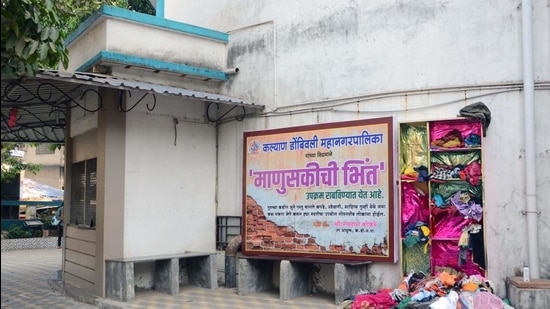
(34, 108)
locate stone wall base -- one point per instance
(528, 295)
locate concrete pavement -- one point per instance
(25, 275)
(29, 280)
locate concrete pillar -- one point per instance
(167, 276)
(348, 280)
(202, 271)
(254, 276)
(119, 281)
(295, 280)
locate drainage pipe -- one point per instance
(231, 261)
(530, 149)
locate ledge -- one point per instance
(116, 41)
(533, 284)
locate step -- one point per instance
(527, 295)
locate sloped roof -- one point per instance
(37, 105)
(35, 191)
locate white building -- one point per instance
(52, 162)
(164, 169)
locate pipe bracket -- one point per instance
(525, 212)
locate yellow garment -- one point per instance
(452, 143)
(426, 246)
(464, 239)
(425, 230)
(409, 171)
(471, 287)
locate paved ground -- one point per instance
(25, 275)
(29, 280)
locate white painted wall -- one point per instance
(330, 61)
(169, 189)
(127, 38)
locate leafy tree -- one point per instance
(12, 165)
(33, 35)
(30, 37)
(34, 31)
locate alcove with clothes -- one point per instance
(442, 205)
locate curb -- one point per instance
(56, 283)
(49, 242)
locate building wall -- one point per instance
(327, 61)
(53, 165)
(155, 190)
(170, 183)
(81, 266)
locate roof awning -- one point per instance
(33, 108)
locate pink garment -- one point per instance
(487, 300)
(445, 253)
(438, 129)
(450, 226)
(414, 208)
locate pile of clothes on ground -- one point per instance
(447, 289)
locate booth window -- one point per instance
(83, 193)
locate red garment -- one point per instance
(379, 300)
(14, 112)
(473, 172)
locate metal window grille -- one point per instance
(227, 227)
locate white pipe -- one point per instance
(231, 71)
(518, 85)
(332, 104)
(530, 148)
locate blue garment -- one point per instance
(423, 295)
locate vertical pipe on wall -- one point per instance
(233, 247)
(530, 148)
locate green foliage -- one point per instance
(11, 166)
(139, 6)
(15, 231)
(34, 31)
(46, 219)
(52, 146)
(30, 37)
(82, 9)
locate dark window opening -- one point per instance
(83, 193)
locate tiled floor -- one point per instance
(195, 297)
(24, 280)
(25, 275)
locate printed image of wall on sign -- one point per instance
(321, 191)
